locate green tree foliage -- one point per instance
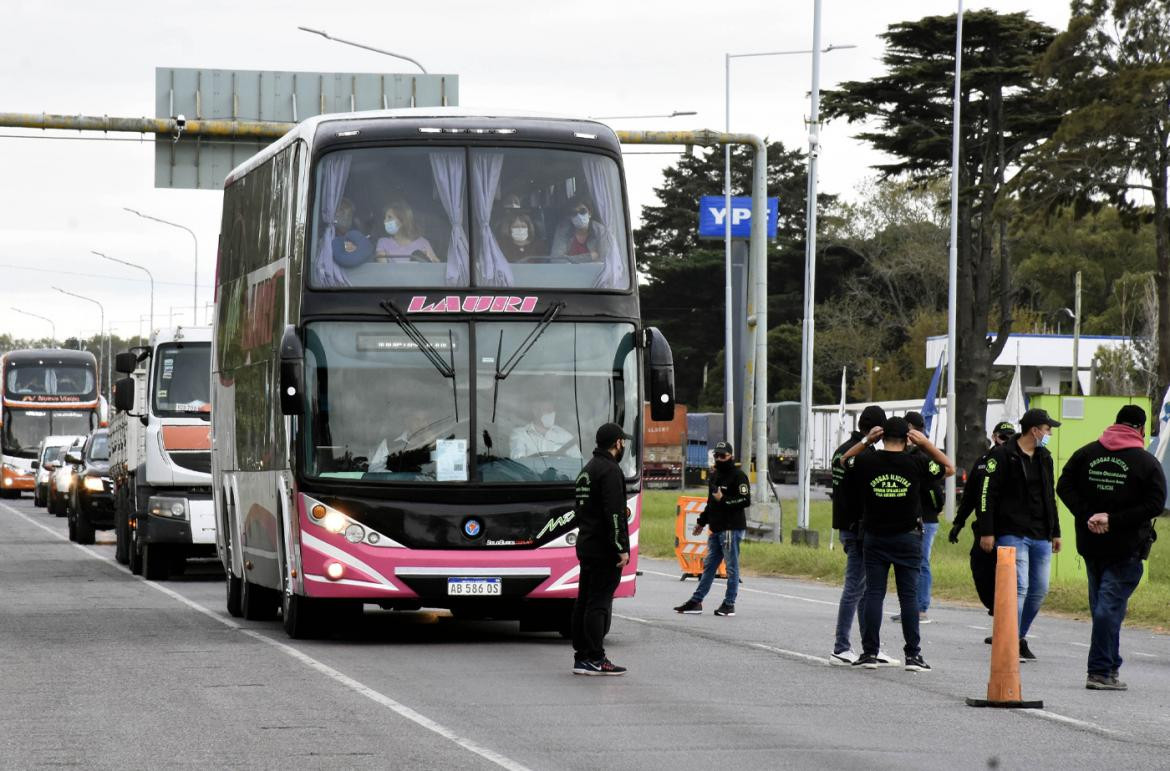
(1005, 112)
(1110, 72)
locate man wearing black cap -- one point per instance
(1017, 507)
(847, 523)
(603, 547)
(888, 486)
(982, 563)
(729, 495)
(1114, 489)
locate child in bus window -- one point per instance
(402, 242)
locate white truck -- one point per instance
(160, 453)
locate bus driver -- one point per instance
(542, 436)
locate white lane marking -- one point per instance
(1079, 645)
(976, 626)
(743, 588)
(1147, 655)
(1072, 721)
(318, 666)
(793, 654)
(632, 618)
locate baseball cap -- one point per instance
(895, 428)
(1004, 427)
(1037, 417)
(1132, 415)
(871, 416)
(723, 447)
(610, 433)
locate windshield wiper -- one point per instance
(446, 369)
(521, 350)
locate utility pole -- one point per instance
(1076, 369)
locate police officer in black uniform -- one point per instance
(729, 495)
(603, 547)
(1114, 489)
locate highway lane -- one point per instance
(101, 668)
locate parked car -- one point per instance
(91, 501)
(61, 481)
(49, 456)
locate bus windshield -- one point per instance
(383, 411)
(507, 217)
(40, 380)
(24, 429)
(182, 380)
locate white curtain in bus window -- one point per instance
(603, 186)
(450, 172)
(494, 269)
(333, 177)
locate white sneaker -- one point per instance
(843, 659)
(886, 660)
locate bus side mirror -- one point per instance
(660, 375)
(292, 373)
(124, 393)
(125, 362)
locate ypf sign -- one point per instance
(713, 216)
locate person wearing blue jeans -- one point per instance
(728, 496)
(1017, 507)
(1114, 489)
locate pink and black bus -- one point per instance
(422, 317)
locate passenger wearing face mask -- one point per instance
(542, 436)
(402, 242)
(729, 495)
(1017, 507)
(581, 238)
(518, 239)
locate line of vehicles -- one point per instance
(400, 426)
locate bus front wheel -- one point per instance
(235, 590)
(258, 603)
(301, 616)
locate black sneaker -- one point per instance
(725, 610)
(916, 664)
(867, 661)
(603, 667)
(690, 606)
(579, 666)
(1026, 652)
(1104, 683)
(987, 640)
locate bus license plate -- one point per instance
(474, 587)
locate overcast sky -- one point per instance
(62, 198)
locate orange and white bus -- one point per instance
(45, 392)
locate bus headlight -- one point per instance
(354, 533)
(93, 484)
(334, 521)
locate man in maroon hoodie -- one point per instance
(1114, 489)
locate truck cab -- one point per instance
(160, 453)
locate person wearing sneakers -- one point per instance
(888, 485)
(603, 548)
(933, 500)
(847, 523)
(1114, 489)
(726, 513)
(1017, 507)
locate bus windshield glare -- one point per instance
(31, 380)
(504, 217)
(182, 386)
(381, 410)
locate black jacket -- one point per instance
(934, 496)
(969, 503)
(1004, 506)
(1126, 484)
(600, 509)
(730, 512)
(846, 515)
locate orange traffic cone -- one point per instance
(1003, 687)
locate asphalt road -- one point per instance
(99, 668)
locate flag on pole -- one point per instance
(841, 409)
(1014, 405)
(1163, 429)
(930, 404)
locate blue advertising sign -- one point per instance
(711, 216)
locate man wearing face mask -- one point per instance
(727, 501)
(582, 238)
(542, 436)
(1017, 507)
(603, 548)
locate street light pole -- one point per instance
(195, 280)
(52, 323)
(1076, 372)
(144, 270)
(674, 114)
(327, 36)
(952, 443)
(101, 332)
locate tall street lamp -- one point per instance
(729, 375)
(144, 270)
(195, 280)
(42, 318)
(327, 36)
(102, 310)
(952, 443)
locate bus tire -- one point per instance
(301, 616)
(156, 562)
(235, 591)
(82, 526)
(258, 603)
